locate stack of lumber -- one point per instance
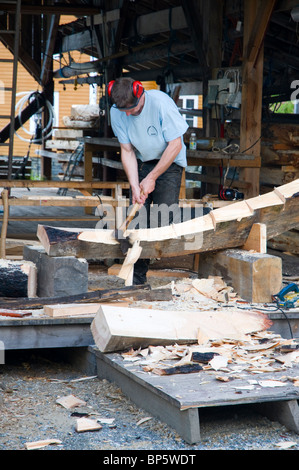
(82, 117)
(280, 165)
(280, 155)
(65, 140)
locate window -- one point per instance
(191, 102)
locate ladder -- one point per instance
(75, 158)
(13, 88)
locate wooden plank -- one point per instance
(72, 310)
(61, 144)
(117, 328)
(64, 184)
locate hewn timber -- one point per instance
(102, 295)
(225, 227)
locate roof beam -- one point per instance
(56, 9)
(259, 29)
(194, 19)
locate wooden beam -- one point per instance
(158, 22)
(259, 29)
(47, 66)
(117, 328)
(64, 9)
(225, 227)
(252, 92)
(194, 19)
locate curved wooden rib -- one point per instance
(225, 227)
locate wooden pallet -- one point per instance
(178, 399)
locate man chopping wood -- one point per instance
(150, 131)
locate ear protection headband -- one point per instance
(137, 89)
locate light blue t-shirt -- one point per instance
(157, 124)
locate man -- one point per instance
(150, 131)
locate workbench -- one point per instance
(194, 158)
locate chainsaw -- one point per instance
(288, 297)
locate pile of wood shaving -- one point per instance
(262, 352)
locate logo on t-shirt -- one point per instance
(151, 130)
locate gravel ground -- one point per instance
(31, 381)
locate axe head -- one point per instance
(124, 242)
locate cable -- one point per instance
(272, 311)
(20, 105)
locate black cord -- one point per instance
(246, 150)
(272, 311)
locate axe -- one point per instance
(124, 242)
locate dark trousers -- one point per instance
(164, 197)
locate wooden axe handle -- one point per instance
(130, 216)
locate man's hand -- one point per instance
(138, 196)
(148, 184)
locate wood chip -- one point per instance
(218, 362)
(271, 383)
(70, 401)
(43, 443)
(87, 424)
(143, 420)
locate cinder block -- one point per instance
(58, 276)
(254, 276)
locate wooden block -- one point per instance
(257, 240)
(254, 276)
(116, 329)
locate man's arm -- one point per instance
(129, 161)
(173, 148)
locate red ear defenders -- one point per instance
(137, 89)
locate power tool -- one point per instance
(288, 297)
